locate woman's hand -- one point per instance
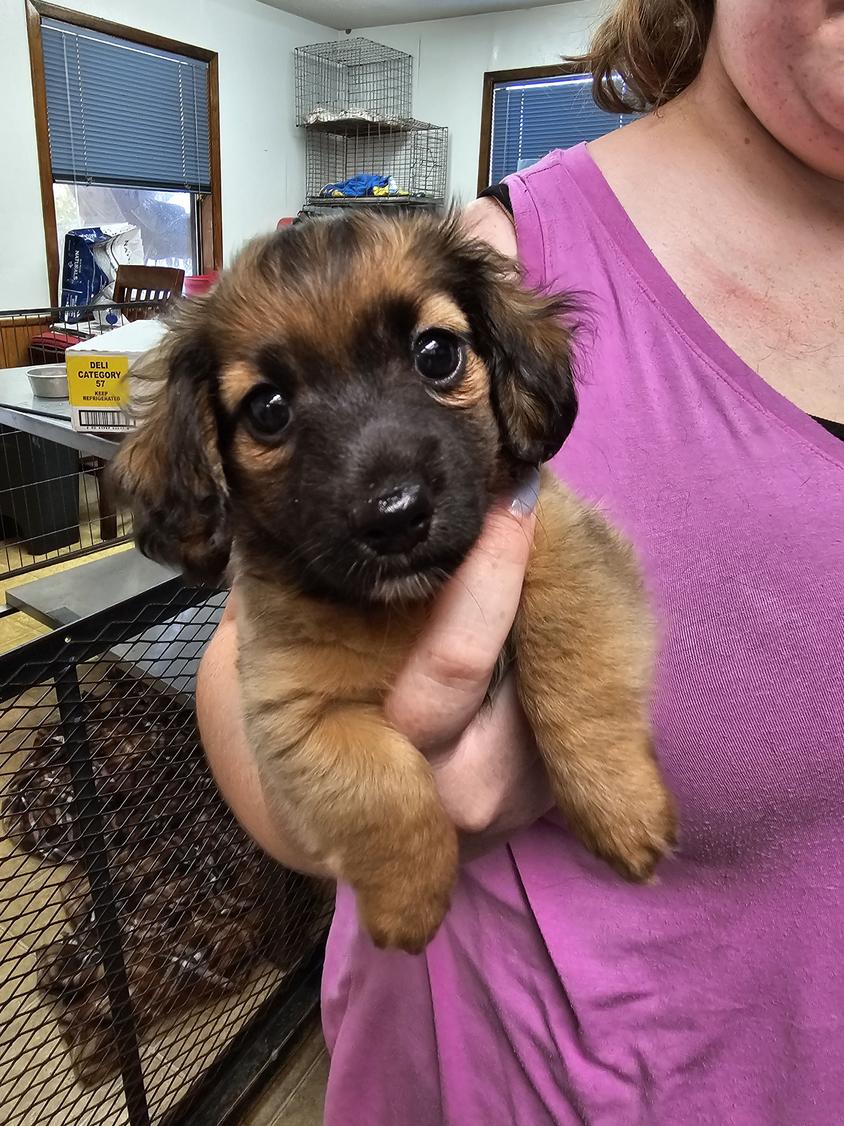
(486, 768)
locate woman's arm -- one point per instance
(488, 221)
(485, 764)
(234, 766)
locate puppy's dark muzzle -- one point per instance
(394, 518)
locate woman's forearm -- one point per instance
(232, 762)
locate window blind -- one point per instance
(533, 116)
(122, 113)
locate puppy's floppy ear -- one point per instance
(525, 340)
(170, 469)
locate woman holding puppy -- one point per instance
(710, 238)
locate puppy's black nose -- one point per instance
(394, 518)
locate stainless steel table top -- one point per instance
(46, 418)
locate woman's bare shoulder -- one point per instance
(485, 219)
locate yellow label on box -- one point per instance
(98, 382)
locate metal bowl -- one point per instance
(48, 381)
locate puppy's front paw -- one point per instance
(638, 834)
(406, 912)
(402, 922)
(630, 820)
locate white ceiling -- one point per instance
(344, 14)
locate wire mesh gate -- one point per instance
(147, 948)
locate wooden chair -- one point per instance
(146, 283)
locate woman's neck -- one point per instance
(750, 235)
(717, 126)
(703, 170)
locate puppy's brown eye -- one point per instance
(266, 413)
(439, 356)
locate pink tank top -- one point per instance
(555, 993)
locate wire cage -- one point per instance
(413, 157)
(55, 503)
(352, 81)
(152, 959)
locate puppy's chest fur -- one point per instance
(315, 652)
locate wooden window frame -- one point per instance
(211, 226)
(491, 80)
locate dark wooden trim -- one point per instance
(121, 31)
(204, 234)
(491, 79)
(212, 255)
(42, 136)
(485, 148)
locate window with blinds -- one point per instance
(129, 141)
(530, 117)
(122, 113)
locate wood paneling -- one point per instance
(15, 336)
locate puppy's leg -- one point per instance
(584, 644)
(360, 799)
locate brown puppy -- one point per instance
(338, 415)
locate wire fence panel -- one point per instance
(54, 504)
(142, 933)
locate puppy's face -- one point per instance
(346, 404)
(360, 445)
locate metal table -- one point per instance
(57, 600)
(46, 418)
(76, 593)
(90, 588)
(166, 655)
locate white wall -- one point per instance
(261, 152)
(452, 55)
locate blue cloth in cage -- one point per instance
(364, 184)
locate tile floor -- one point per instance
(296, 1096)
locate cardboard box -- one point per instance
(98, 376)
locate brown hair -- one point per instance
(656, 46)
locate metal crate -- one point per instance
(54, 500)
(153, 961)
(54, 504)
(352, 80)
(414, 154)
